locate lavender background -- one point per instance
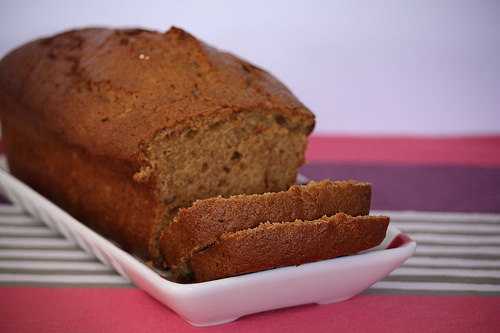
(364, 67)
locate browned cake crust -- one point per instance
(90, 119)
(93, 190)
(110, 91)
(206, 220)
(272, 245)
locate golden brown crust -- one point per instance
(91, 189)
(273, 245)
(111, 91)
(206, 220)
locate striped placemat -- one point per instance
(457, 253)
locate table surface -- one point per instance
(444, 192)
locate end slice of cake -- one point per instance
(272, 245)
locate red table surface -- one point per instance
(28, 309)
(482, 151)
(131, 310)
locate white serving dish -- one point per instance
(225, 300)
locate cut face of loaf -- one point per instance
(272, 245)
(206, 220)
(250, 152)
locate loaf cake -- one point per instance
(206, 220)
(272, 245)
(181, 153)
(121, 128)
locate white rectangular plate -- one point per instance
(225, 300)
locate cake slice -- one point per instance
(272, 245)
(207, 220)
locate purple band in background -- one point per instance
(423, 188)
